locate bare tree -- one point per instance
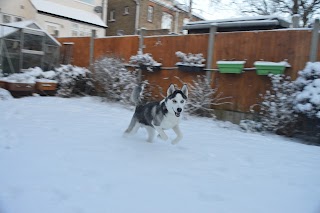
(307, 9)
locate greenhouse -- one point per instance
(24, 45)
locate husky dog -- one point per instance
(159, 116)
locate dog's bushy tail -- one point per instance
(137, 94)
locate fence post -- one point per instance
(213, 30)
(295, 21)
(141, 39)
(93, 35)
(314, 41)
(141, 46)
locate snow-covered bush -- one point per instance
(307, 98)
(73, 81)
(190, 59)
(5, 94)
(277, 112)
(114, 81)
(145, 59)
(202, 97)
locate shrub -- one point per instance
(73, 81)
(144, 60)
(190, 59)
(114, 81)
(277, 112)
(307, 98)
(202, 97)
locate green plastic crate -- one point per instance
(266, 69)
(232, 67)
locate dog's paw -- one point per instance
(163, 137)
(175, 141)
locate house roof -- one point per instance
(238, 24)
(67, 12)
(7, 29)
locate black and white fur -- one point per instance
(159, 116)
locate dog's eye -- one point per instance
(182, 101)
(174, 101)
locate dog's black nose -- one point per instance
(179, 109)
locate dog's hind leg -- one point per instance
(176, 129)
(151, 133)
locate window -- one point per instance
(80, 30)
(16, 19)
(112, 15)
(6, 18)
(150, 14)
(126, 11)
(52, 29)
(166, 22)
(74, 29)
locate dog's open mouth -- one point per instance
(177, 113)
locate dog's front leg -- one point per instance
(162, 134)
(176, 129)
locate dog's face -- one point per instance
(176, 99)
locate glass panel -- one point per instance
(51, 57)
(31, 60)
(11, 46)
(10, 63)
(32, 42)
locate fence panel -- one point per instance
(292, 45)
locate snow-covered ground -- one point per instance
(68, 156)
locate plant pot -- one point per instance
(186, 68)
(230, 66)
(20, 87)
(3, 84)
(149, 68)
(46, 86)
(266, 68)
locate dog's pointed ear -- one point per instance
(184, 89)
(170, 90)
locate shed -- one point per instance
(238, 24)
(24, 45)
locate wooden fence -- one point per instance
(292, 45)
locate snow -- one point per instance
(68, 12)
(269, 63)
(308, 99)
(68, 155)
(4, 94)
(231, 62)
(190, 59)
(31, 76)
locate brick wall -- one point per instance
(127, 22)
(124, 22)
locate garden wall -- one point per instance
(292, 45)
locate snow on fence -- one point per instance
(292, 45)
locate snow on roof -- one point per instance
(246, 21)
(7, 29)
(67, 12)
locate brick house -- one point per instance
(125, 17)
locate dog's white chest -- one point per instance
(169, 121)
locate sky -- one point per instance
(211, 12)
